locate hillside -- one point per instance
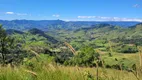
(36, 31)
(12, 31)
(58, 52)
(102, 33)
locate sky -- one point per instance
(72, 10)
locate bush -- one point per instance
(86, 57)
(129, 49)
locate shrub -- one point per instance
(86, 57)
(129, 49)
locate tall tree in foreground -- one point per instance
(6, 43)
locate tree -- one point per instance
(6, 43)
(86, 57)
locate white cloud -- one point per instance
(86, 16)
(70, 19)
(9, 13)
(136, 6)
(56, 15)
(100, 18)
(21, 14)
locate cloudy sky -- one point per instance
(72, 10)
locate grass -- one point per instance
(52, 71)
(43, 68)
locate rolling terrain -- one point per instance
(71, 50)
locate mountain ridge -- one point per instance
(47, 25)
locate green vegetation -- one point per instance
(85, 53)
(86, 57)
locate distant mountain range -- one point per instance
(47, 25)
(82, 33)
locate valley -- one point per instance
(104, 47)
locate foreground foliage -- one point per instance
(44, 68)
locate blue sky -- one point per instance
(72, 10)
